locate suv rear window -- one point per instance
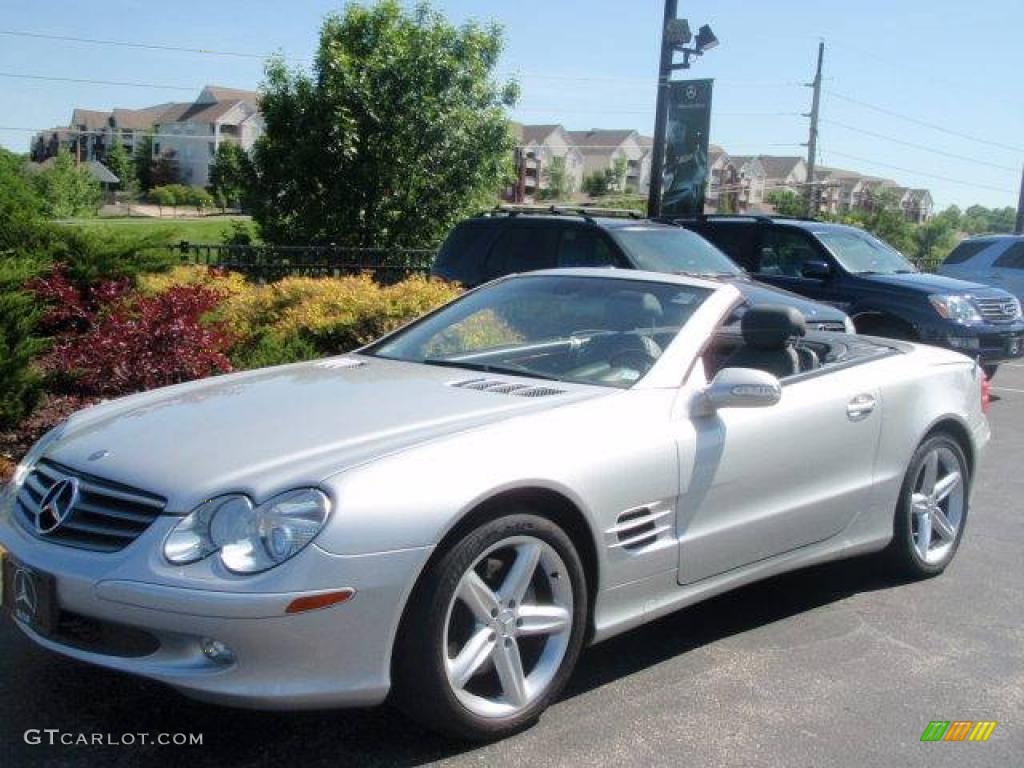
(461, 256)
(1013, 258)
(738, 240)
(966, 251)
(522, 248)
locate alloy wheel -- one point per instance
(508, 627)
(937, 503)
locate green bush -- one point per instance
(20, 383)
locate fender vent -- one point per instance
(499, 387)
(637, 528)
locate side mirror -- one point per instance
(740, 388)
(816, 270)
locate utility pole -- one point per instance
(661, 112)
(812, 138)
(1019, 229)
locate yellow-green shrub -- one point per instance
(227, 283)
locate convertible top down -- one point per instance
(449, 514)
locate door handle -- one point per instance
(860, 407)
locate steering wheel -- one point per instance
(633, 359)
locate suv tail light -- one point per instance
(986, 393)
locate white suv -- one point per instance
(996, 260)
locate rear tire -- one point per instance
(931, 514)
(493, 629)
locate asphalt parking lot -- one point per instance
(836, 666)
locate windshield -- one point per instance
(862, 254)
(673, 249)
(591, 330)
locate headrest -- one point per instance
(771, 326)
(629, 310)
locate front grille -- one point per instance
(106, 517)
(998, 310)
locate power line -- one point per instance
(138, 45)
(922, 123)
(92, 81)
(919, 146)
(919, 173)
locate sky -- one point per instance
(926, 92)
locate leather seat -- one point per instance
(769, 332)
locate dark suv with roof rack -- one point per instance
(523, 239)
(872, 282)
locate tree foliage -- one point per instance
(144, 162)
(67, 189)
(786, 202)
(231, 175)
(560, 184)
(399, 132)
(122, 165)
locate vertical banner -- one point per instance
(686, 148)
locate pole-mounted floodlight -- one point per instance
(675, 37)
(706, 39)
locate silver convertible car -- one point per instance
(448, 515)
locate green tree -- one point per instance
(559, 183)
(231, 175)
(886, 220)
(399, 132)
(200, 198)
(164, 170)
(122, 165)
(597, 184)
(144, 162)
(786, 202)
(68, 189)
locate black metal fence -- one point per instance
(272, 262)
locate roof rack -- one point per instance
(586, 211)
(762, 217)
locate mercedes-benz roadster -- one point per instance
(448, 515)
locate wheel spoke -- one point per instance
(542, 620)
(924, 534)
(931, 473)
(478, 597)
(945, 486)
(919, 503)
(941, 523)
(474, 653)
(510, 672)
(521, 573)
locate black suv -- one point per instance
(872, 282)
(523, 239)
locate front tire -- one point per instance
(932, 510)
(493, 629)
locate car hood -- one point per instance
(928, 284)
(264, 431)
(814, 311)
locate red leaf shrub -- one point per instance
(110, 341)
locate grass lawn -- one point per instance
(208, 229)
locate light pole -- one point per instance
(675, 36)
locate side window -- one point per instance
(1013, 258)
(785, 251)
(736, 240)
(966, 250)
(521, 249)
(584, 248)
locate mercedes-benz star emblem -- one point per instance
(56, 506)
(25, 600)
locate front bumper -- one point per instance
(335, 656)
(991, 343)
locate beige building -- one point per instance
(603, 148)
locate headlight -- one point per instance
(249, 539)
(960, 309)
(27, 464)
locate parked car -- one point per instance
(523, 238)
(996, 260)
(872, 282)
(448, 515)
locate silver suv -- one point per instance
(996, 260)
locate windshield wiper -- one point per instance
(514, 370)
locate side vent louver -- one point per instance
(499, 387)
(637, 528)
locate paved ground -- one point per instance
(830, 667)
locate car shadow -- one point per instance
(48, 691)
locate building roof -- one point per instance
(142, 119)
(600, 141)
(92, 119)
(220, 93)
(536, 134)
(776, 167)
